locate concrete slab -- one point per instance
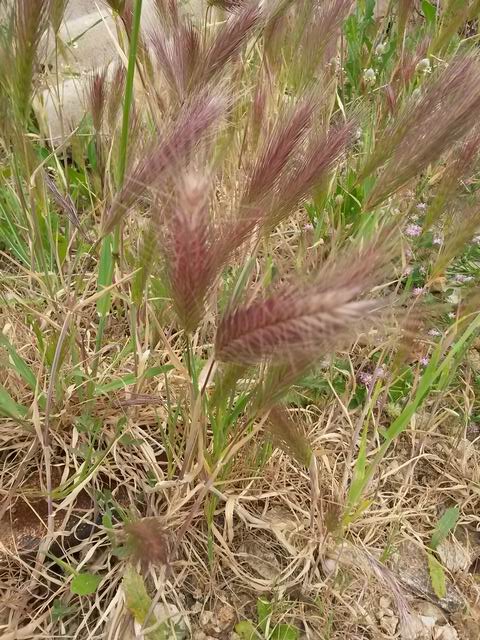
(89, 37)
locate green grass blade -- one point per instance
(9, 408)
(129, 379)
(105, 275)
(444, 526)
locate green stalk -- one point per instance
(132, 58)
(122, 160)
(110, 247)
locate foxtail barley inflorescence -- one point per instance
(188, 243)
(193, 122)
(30, 23)
(299, 323)
(428, 126)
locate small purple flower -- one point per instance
(308, 227)
(413, 230)
(365, 378)
(434, 333)
(461, 278)
(421, 206)
(437, 241)
(380, 372)
(418, 291)
(424, 361)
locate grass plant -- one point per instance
(239, 322)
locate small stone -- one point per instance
(428, 622)
(206, 618)
(445, 633)
(389, 624)
(428, 609)
(330, 566)
(413, 627)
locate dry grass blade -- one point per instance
(427, 127)
(192, 124)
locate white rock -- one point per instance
(428, 622)
(454, 556)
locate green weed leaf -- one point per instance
(284, 632)
(429, 11)
(437, 576)
(358, 480)
(264, 613)
(21, 367)
(138, 602)
(444, 526)
(19, 363)
(246, 630)
(105, 275)
(84, 584)
(61, 610)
